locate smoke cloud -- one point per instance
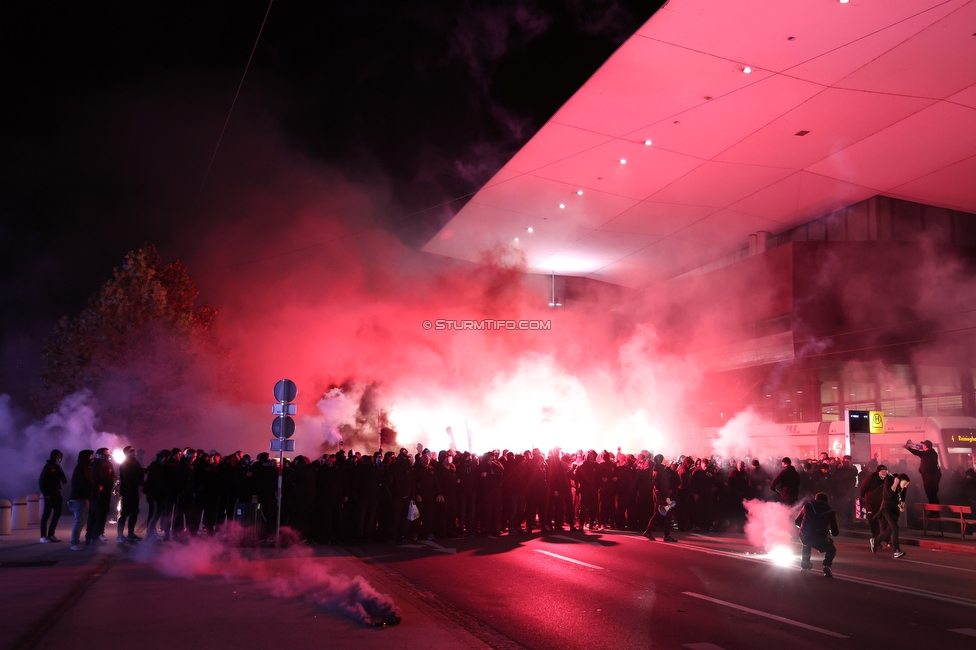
(294, 573)
(769, 524)
(25, 444)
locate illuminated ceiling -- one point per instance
(842, 101)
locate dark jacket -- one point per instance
(788, 484)
(51, 479)
(82, 479)
(816, 521)
(871, 491)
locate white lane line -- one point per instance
(941, 566)
(956, 600)
(774, 617)
(568, 559)
(968, 631)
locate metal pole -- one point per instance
(281, 467)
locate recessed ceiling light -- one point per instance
(647, 143)
(844, 2)
(516, 239)
(530, 229)
(562, 205)
(747, 70)
(580, 192)
(623, 161)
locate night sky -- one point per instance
(113, 112)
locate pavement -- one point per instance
(52, 597)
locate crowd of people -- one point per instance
(354, 497)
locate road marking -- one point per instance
(573, 539)
(968, 631)
(774, 617)
(941, 566)
(438, 547)
(956, 600)
(568, 559)
(910, 590)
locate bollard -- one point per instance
(18, 514)
(4, 517)
(33, 509)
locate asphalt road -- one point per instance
(616, 590)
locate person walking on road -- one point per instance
(892, 505)
(872, 491)
(817, 522)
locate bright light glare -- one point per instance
(647, 143)
(623, 161)
(530, 229)
(580, 192)
(781, 556)
(844, 2)
(747, 69)
(118, 455)
(562, 205)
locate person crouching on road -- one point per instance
(892, 505)
(817, 522)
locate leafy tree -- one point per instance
(137, 337)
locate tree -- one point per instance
(137, 336)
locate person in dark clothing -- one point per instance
(301, 482)
(425, 498)
(50, 483)
(491, 473)
(468, 474)
(928, 469)
(402, 490)
(587, 482)
(892, 505)
(536, 487)
(872, 490)
(817, 522)
(787, 482)
(131, 478)
(104, 475)
(445, 487)
(661, 480)
(155, 491)
(560, 494)
(184, 493)
(82, 492)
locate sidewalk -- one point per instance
(933, 540)
(52, 597)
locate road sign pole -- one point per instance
(281, 469)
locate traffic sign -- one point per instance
(282, 445)
(283, 409)
(285, 390)
(283, 427)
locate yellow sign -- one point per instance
(877, 421)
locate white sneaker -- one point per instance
(102, 538)
(77, 547)
(44, 540)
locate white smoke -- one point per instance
(769, 524)
(26, 444)
(734, 438)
